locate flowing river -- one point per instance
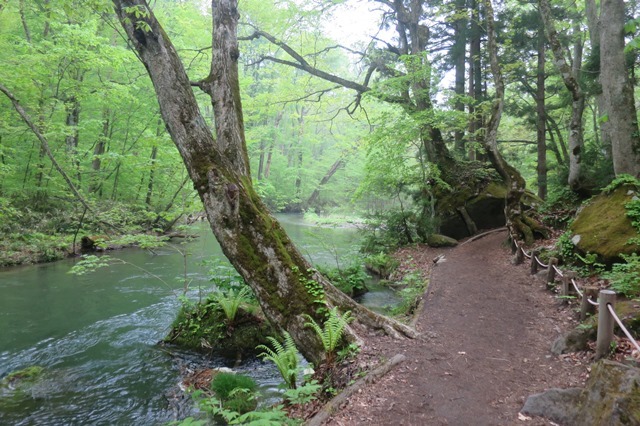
(96, 335)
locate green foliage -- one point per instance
(314, 289)
(413, 287)
(331, 331)
(350, 280)
(236, 391)
(625, 277)
(621, 180)
(230, 301)
(215, 409)
(303, 394)
(381, 263)
(285, 357)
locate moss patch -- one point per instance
(202, 327)
(603, 225)
(28, 374)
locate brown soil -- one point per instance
(485, 332)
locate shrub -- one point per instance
(625, 277)
(236, 391)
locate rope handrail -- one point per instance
(622, 327)
(541, 263)
(582, 295)
(575, 286)
(558, 271)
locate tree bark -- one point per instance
(516, 219)
(618, 90)
(541, 132)
(285, 284)
(577, 95)
(458, 53)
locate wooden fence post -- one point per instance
(587, 308)
(551, 272)
(534, 262)
(605, 322)
(514, 245)
(567, 286)
(519, 256)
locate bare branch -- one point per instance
(45, 145)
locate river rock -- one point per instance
(611, 397)
(574, 341)
(558, 405)
(437, 240)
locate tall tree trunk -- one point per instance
(577, 95)
(73, 136)
(516, 218)
(459, 60)
(475, 78)
(98, 151)
(541, 132)
(618, 90)
(593, 22)
(23, 19)
(284, 283)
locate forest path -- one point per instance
(485, 333)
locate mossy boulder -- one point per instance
(603, 228)
(438, 240)
(26, 375)
(611, 397)
(204, 327)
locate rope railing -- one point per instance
(607, 318)
(622, 327)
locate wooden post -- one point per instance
(519, 256)
(551, 272)
(534, 262)
(513, 244)
(567, 287)
(605, 322)
(587, 308)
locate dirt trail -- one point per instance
(486, 330)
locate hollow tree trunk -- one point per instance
(285, 284)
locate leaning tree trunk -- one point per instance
(517, 221)
(285, 284)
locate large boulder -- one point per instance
(611, 397)
(603, 228)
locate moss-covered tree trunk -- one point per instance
(517, 221)
(286, 286)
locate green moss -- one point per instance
(27, 374)
(604, 227)
(202, 327)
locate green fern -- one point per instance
(231, 301)
(331, 332)
(285, 357)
